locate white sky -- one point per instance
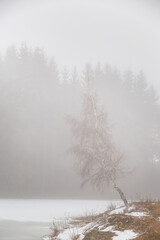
(125, 33)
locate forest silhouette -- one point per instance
(35, 96)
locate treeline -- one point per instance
(34, 98)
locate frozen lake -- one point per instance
(31, 219)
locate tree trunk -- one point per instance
(121, 195)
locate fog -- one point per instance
(44, 49)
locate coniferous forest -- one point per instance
(35, 97)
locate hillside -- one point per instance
(140, 221)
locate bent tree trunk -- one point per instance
(122, 196)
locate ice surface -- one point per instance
(47, 210)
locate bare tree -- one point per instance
(98, 160)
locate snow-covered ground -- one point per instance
(47, 210)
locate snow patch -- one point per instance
(137, 214)
(118, 211)
(131, 208)
(121, 235)
(69, 233)
(126, 235)
(108, 229)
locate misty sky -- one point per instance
(35, 136)
(121, 32)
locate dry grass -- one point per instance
(57, 227)
(111, 206)
(87, 217)
(95, 235)
(74, 235)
